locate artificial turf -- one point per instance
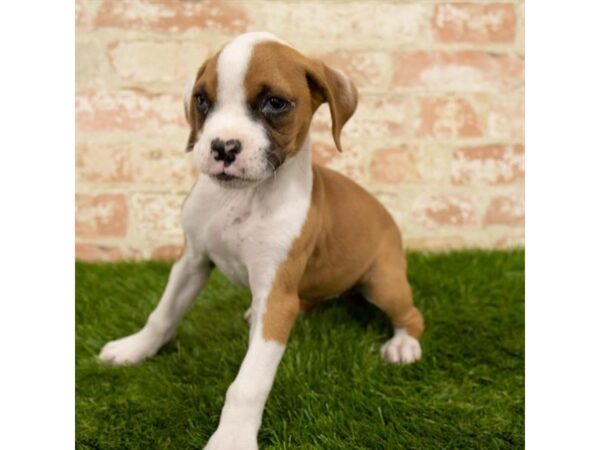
(332, 390)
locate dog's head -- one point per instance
(250, 107)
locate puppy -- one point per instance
(269, 219)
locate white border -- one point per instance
(563, 225)
(37, 225)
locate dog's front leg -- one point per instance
(245, 400)
(187, 277)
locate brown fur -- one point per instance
(348, 240)
(279, 70)
(271, 74)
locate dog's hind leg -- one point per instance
(386, 286)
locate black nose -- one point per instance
(225, 150)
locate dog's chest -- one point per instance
(236, 231)
(232, 236)
(249, 231)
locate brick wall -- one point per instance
(437, 137)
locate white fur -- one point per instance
(232, 65)
(402, 348)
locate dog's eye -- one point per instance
(202, 103)
(275, 106)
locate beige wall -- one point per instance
(438, 135)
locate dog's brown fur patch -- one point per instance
(281, 71)
(348, 239)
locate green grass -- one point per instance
(332, 390)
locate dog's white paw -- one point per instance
(131, 349)
(230, 438)
(401, 349)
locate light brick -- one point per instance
(492, 165)
(172, 16)
(505, 210)
(395, 165)
(506, 117)
(101, 215)
(367, 70)
(169, 252)
(448, 118)
(94, 252)
(157, 217)
(79, 12)
(412, 163)
(156, 160)
(351, 162)
(172, 62)
(92, 68)
(165, 166)
(84, 14)
(434, 243)
(510, 241)
(382, 106)
(357, 129)
(520, 37)
(475, 23)
(333, 22)
(323, 153)
(463, 71)
(444, 210)
(377, 118)
(362, 125)
(98, 163)
(127, 110)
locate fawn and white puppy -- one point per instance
(269, 219)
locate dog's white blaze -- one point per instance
(232, 67)
(230, 118)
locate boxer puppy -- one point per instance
(269, 219)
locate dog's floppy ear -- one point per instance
(329, 85)
(189, 105)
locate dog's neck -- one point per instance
(294, 173)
